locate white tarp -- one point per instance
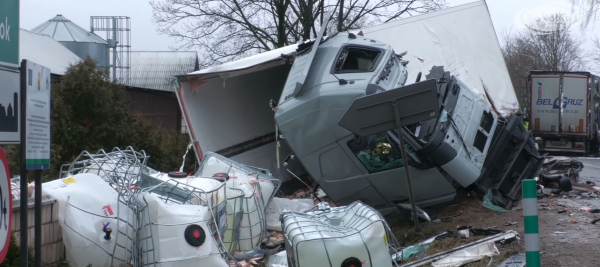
(462, 39)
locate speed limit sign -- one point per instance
(5, 206)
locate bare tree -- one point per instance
(547, 44)
(225, 30)
(589, 9)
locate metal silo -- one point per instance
(75, 38)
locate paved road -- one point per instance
(591, 169)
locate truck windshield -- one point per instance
(356, 59)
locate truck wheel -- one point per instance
(564, 184)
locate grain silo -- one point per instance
(75, 38)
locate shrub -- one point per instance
(13, 256)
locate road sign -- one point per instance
(373, 114)
(391, 109)
(5, 205)
(10, 111)
(9, 33)
(37, 130)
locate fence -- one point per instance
(53, 249)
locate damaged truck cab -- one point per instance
(444, 153)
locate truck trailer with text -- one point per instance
(564, 115)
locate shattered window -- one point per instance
(378, 154)
(353, 59)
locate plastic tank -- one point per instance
(87, 206)
(233, 206)
(249, 193)
(353, 235)
(178, 235)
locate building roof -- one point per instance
(45, 51)
(64, 30)
(157, 70)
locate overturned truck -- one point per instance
(280, 110)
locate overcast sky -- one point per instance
(506, 14)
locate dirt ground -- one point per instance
(566, 239)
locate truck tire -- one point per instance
(564, 184)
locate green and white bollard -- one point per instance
(530, 216)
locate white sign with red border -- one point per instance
(5, 206)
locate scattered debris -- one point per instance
(501, 237)
(464, 232)
(561, 211)
(407, 210)
(467, 255)
(559, 232)
(413, 250)
(595, 221)
(280, 205)
(320, 193)
(514, 261)
(561, 173)
(572, 221)
(488, 203)
(278, 260)
(511, 223)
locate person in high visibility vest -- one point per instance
(524, 121)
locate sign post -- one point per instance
(35, 145)
(392, 109)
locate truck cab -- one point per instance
(444, 153)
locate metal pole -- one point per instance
(114, 66)
(37, 174)
(530, 217)
(23, 198)
(405, 162)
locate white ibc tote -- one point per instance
(249, 192)
(178, 235)
(354, 235)
(87, 206)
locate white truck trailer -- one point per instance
(564, 115)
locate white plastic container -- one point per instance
(85, 203)
(256, 194)
(164, 227)
(342, 236)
